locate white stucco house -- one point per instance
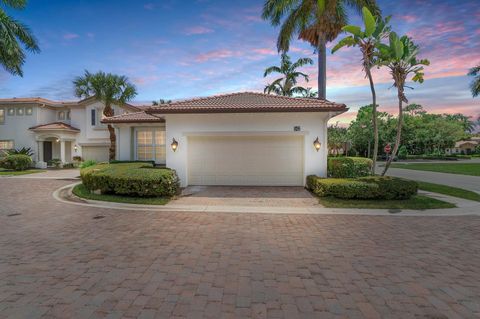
(233, 139)
(56, 130)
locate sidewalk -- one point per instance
(464, 207)
(73, 173)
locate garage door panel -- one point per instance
(97, 153)
(241, 160)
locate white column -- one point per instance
(62, 151)
(40, 151)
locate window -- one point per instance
(68, 115)
(28, 110)
(6, 145)
(2, 116)
(93, 117)
(11, 111)
(61, 115)
(151, 145)
(20, 111)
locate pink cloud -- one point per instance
(145, 80)
(197, 30)
(70, 36)
(265, 51)
(408, 18)
(215, 55)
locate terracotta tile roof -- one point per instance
(40, 100)
(54, 126)
(246, 102)
(135, 117)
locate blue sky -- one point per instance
(177, 49)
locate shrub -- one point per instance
(68, 165)
(375, 187)
(402, 152)
(56, 162)
(126, 162)
(88, 163)
(21, 151)
(131, 179)
(19, 162)
(349, 167)
(77, 158)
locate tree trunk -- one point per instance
(108, 111)
(399, 131)
(374, 119)
(322, 67)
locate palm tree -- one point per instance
(285, 85)
(107, 88)
(310, 93)
(161, 102)
(314, 21)
(400, 57)
(14, 37)
(475, 85)
(368, 40)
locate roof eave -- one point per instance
(259, 110)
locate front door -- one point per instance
(47, 151)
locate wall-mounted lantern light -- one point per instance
(317, 144)
(174, 145)
(75, 148)
(57, 140)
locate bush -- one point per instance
(88, 163)
(77, 158)
(349, 167)
(56, 162)
(131, 179)
(127, 162)
(402, 152)
(375, 187)
(19, 162)
(68, 165)
(21, 151)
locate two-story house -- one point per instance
(56, 130)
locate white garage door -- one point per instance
(97, 153)
(245, 160)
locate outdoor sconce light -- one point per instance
(57, 140)
(75, 148)
(317, 144)
(174, 145)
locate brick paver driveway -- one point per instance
(60, 260)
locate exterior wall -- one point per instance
(180, 126)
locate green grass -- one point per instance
(472, 169)
(418, 202)
(5, 172)
(81, 191)
(448, 190)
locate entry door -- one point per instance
(245, 160)
(47, 151)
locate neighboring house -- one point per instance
(464, 147)
(56, 130)
(232, 139)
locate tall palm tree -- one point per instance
(286, 85)
(107, 88)
(14, 37)
(314, 21)
(400, 57)
(475, 85)
(368, 40)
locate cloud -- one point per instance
(265, 51)
(196, 30)
(149, 6)
(215, 55)
(70, 36)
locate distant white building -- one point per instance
(464, 147)
(56, 130)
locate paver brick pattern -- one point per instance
(56, 261)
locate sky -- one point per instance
(176, 49)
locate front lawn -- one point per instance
(472, 169)
(417, 202)
(81, 191)
(448, 190)
(6, 172)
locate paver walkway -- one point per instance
(65, 261)
(51, 174)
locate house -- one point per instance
(464, 147)
(233, 139)
(56, 130)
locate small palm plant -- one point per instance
(475, 85)
(368, 40)
(161, 102)
(14, 35)
(108, 88)
(286, 85)
(400, 57)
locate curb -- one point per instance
(65, 195)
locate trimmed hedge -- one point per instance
(349, 167)
(375, 187)
(131, 179)
(17, 162)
